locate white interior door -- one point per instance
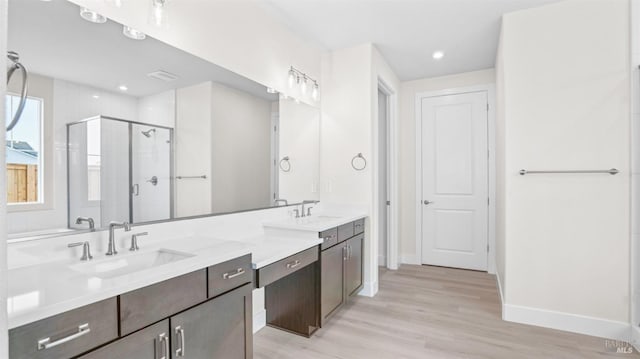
(455, 180)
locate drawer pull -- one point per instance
(293, 264)
(164, 343)
(46, 343)
(180, 334)
(230, 275)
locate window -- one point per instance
(24, 152)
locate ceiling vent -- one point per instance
(163, 75)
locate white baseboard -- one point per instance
(259, 320)
(369, 289)
(409, 259)
(597, 327)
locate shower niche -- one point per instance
(118, 170)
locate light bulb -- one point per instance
(159, 15)
(133, 33)
(304, 85)
(314, 91)
(292, 77)
(92, 16)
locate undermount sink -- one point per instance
(318, 219)
(123, 264)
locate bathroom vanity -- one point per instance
(182, 296)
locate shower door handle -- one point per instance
(135, 190)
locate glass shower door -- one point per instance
(151, 149)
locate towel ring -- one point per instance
(285, 165)
(364, 164)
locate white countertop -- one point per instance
(43, 283)
(40, 291)
(315, 223)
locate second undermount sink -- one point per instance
(123, 264)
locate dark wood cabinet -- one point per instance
(332, 279)
(353, 265)
(341, 272)
(220, 328)
(172, 319)
(149, 343)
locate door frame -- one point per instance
(392, 178)
(490, 90)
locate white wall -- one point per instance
(71, 102)
(159, 109)
(501, 189)
(240, 150)
(565, 73)
(193, 150)
(635, 168)
(407, 149)
(299, 140)
(237, 35)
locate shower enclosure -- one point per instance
(119, 170)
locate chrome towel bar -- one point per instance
(187, 177)
(612, 171)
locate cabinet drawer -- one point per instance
(147, 305)
(229, 275)
(68, 334)
(284, 267)
(358, 226)
(345, 232)
(330, 237)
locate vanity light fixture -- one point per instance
(158, 12)
(298, 77)
(92, 16)
(438, 55)
(123, 88)
(132, 33)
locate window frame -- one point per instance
(45, 156)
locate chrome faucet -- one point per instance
(112, 243)
(307, 201)
(86, 250)
(278, 200)
(92, 225)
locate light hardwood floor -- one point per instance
(428, 312)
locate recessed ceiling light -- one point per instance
(123, 88)
(133, 33)
(271, 90)
(92, 16)
(163, 75)
(96, 96)
(438, 55)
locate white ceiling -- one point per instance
(54, 41)
(407, 32)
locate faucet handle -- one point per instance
(134, 240)
(297, 212)
(309, 211)
(86, 249)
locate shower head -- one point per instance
(147, 133)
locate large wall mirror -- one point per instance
(123, 129)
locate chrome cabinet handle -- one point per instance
(344, 253)
(180, 334)
(229, 275)
(164, 343)
(293, 264)
(46, 343)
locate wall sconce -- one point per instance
(297, 77)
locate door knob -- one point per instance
(427, 202)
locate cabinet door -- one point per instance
(218, 329)
(149, 343)
(353, 265)
(332, 279)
